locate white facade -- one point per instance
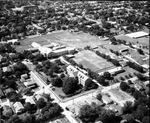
(82, 78)
(72, 71)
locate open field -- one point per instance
(90, 60)
(120, 96)
(78, 40)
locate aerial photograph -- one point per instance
(74, 61)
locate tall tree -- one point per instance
(70, 85)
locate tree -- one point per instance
(140, 51)
(30, 119)
(40, 103)
(141, 77)
(129, 118)
(89, 84)
(124, 86)
(107, 75)
(87, 114)
(55, 68)
(11, 83)
(136, 94)
(57, 82)
(131, 90)
(145, 119)
(138, 115)
(70, 85)
(127, 109)
(99, 96)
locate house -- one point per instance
(6, 69)
(106, 99)
(24, 76)
(91, 100)
(7, 111)
(18, 106)
(8, 90)
(21, 87)
(30, 100)
(72, 71)
(82, 78)
(36, 97)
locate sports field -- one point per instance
(78, 40)
(90, 60)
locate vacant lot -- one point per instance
(78, 40)
(120, 96)
(90, 60)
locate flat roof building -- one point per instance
(137, 34)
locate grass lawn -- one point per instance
(137, 57)
(90, 60)
(79, 40)
(143, 40)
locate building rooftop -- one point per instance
(137, 34)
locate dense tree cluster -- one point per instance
(92, 113)
(136, 67)
(70, 85)
(108, 58)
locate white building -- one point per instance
(45, 51)
(35, 45)
(30, 100)
(137, 34)
(63, 51)
(18, 106)
(82, 78)
(12, 41)
(72, 71)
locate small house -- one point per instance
(18, 106)
(106, 99)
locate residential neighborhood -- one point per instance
(74, 61)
